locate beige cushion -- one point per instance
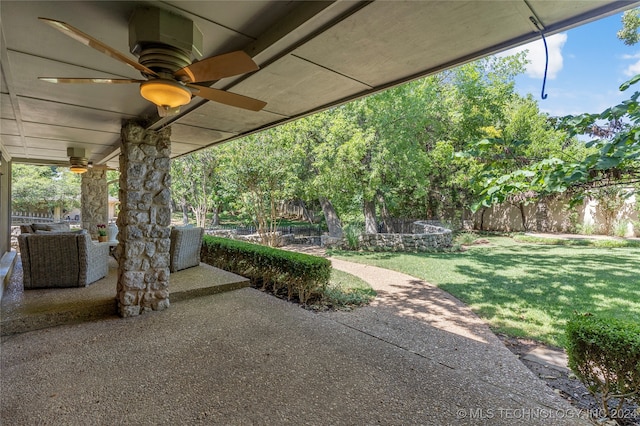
(57, 227)
(75, 231)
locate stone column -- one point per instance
(144, 219)
(95, 200)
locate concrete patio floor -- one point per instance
(245, 357)
(22, 311)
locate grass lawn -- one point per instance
(524, 289)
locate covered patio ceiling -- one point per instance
(312, 55)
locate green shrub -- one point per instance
(303, 276)
(586, 228)
(352, 234)
(620, 228)
(466, 238)
(605, 355)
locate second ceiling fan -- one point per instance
(163, 43)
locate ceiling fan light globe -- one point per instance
(165, 93)
(77, 164)
(77, 169)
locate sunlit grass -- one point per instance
(525, 289)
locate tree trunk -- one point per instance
(384, 215)
(370, 222)
(201, 215)
(432, 207)
(305, 212)
(215, 220)
(523, 217)
(185, 212)
(331, 217)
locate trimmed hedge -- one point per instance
(605, 355)
(303, 276)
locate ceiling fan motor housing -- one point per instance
(77, 160)
(162, 40)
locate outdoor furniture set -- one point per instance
(54, 256)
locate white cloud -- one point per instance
(633, 69)
(536, 56)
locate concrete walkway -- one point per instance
(415, 356)
(423, 319)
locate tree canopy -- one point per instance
(392, 154)
(42, 188)
(436, 147)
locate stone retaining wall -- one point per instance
(426, 237)
(283, 239)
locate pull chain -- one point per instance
(546, 54)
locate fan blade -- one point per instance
(227, 98)
(90, 80)
(217, 67)
(86, 39)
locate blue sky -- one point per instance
(586, 66)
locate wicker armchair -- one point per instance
(186, 244)
(62, 259)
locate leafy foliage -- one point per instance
(262, 174)
(630, 33)
(430, 148)
(198, 185)
(612, 158)
(40, 188)
(605, 354)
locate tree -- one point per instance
(197, 185)
(312, 143)
(263, 175)
(613, 158)
(42, 188)
(388, 155)
(630, 32)
(527, 138)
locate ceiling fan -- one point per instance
(79, 163)
(163, 43)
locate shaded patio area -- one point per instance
(245, 357)
(35, 309)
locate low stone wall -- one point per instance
(283, 239)
(429, 227)
(427, 237)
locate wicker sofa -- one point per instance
(186, 243)
(61, 259)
